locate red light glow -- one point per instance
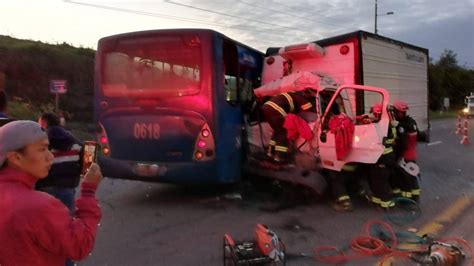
(106, 150)
(201, 143)
(103, 139)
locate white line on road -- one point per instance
(434, 143)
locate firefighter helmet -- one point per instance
(400, 106)
(377, 109)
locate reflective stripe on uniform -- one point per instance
(387, 204)
(349, 167)
(406, 194)
(387, 150)
(281, 148)
(415, 192)
(290, 101)
(389, 142)
(272, 143)
(394, 135)
(376, 200)
(276, 107)
(396, 191)
(305, 107)
(343, 197)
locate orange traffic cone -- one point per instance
(465, 138)
(458, 126)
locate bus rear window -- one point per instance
(157, 66)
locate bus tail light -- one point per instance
(198, 155)
(106, 150)
(103, 140)
(201, 143)
(204, 147)
(205, 133)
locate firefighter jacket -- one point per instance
(289, 102)
(407, 133)
(389, 142)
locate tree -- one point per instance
(447, 79)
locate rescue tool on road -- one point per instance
(265, 249)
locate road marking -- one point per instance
(447, 216)
(438, 223)
(434, 143)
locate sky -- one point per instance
(433, 24)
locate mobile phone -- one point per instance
(89, 156)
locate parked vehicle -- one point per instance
(469, 101)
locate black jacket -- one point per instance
(67, 151)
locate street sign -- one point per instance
(58, 86)
(446, 103)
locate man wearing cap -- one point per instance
(35, 227)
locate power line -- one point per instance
(151, 14)
(290, 14)
(232, 16)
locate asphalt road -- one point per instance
(156, 224)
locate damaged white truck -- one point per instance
(331, 67)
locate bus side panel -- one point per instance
(228, 122)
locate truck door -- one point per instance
(338, 144)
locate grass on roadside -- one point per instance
(443, 114)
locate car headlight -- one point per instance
(465, 110)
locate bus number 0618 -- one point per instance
(146, 131)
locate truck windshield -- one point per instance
(162, 66)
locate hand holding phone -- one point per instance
(93, 174)
(89, 156)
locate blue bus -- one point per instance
(169, 105)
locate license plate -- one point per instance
(144, 169)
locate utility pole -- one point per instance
(376, 15)
(375, 30)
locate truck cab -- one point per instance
(323, 151)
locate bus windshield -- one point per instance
(163, 66)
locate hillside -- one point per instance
(27, 67)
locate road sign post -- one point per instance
(57, 87)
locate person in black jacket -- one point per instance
(64, 175)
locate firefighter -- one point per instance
(380, 172)
(338, 179)
(275, 111)
(405, 150)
